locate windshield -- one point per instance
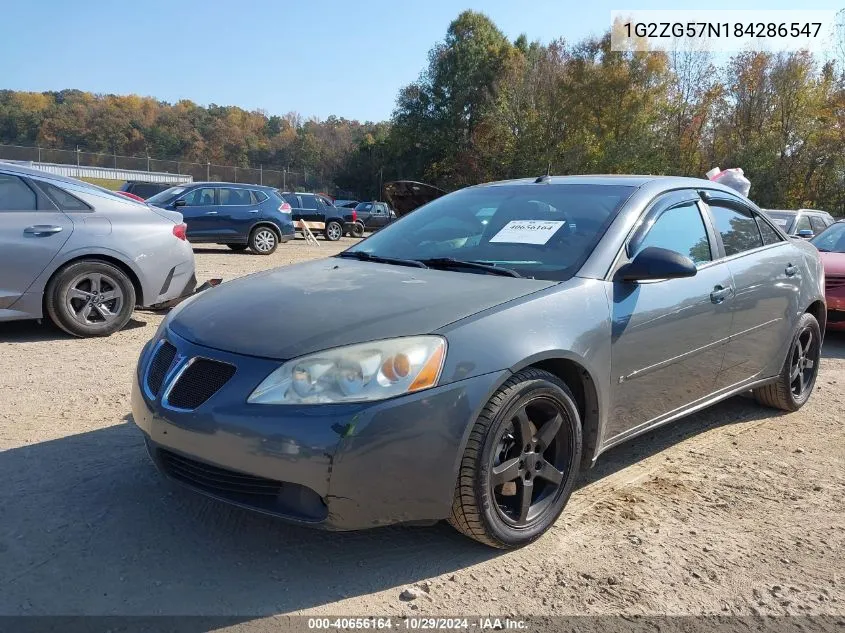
(364, 206)
(782, 218)
(165, 196)
(832, 239)
(542, 231)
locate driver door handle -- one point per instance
(42, 229)
(719, 294)
(211, 212)
(790, 270)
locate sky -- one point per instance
(316, 57)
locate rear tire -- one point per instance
(797, 378)
(333, 231)
(90, 298)
(238, 247)
(263, 240)
(357, 229)
(520, 463)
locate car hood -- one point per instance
(304, 308)
(406, 195)
(834, 263)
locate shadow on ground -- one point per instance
(33, 332)
(90, 528)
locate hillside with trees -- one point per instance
(487, 108)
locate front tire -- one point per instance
(263, 240)
(797, 378)
(520, 462)
(90, 298)
(333, 231)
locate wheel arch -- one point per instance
(270, 225)
(123, 266)
(583, 386)
(819, 310)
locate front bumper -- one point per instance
(348, 466)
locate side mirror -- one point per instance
(806, 234)
(179, 203)
(657, 263)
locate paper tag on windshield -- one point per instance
(527, 231)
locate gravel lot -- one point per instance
(736, 510)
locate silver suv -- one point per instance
(805, 223)
(83, 254)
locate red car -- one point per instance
(831, 245)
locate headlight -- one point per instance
(356, 373)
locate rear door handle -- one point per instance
(719, 294)
(211, 212)
(253, 210)
(790, 270)
(42, 229)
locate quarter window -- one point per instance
(15, 195)
(65, 201)
(738, 229)
(680, 229)
(258, 196)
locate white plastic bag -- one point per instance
(733, 178)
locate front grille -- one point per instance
(832, 283)
(200, 380)
(220, 481)
(158, 367)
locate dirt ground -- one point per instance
(735, 510)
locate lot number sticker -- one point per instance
(527, 231)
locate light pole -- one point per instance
(208, 171)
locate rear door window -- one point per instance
(309, 202)
(234, 197)
(769, 235)
(16, 195)
(738, 229)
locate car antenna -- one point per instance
(545, 177)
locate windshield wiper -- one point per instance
(451, 262)
(369, 257)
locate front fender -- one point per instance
(569, 321)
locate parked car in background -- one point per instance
(84, 255)
(406, 195)
(374, 215)
(804, 223)
(831, 246)
(320, 214)
(239, 216)
(480, 365)
(132, 196)
(143, 189)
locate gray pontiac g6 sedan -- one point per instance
(467, 360)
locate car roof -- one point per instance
(215, 183)
(37, 173)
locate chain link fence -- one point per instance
(283, 179)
